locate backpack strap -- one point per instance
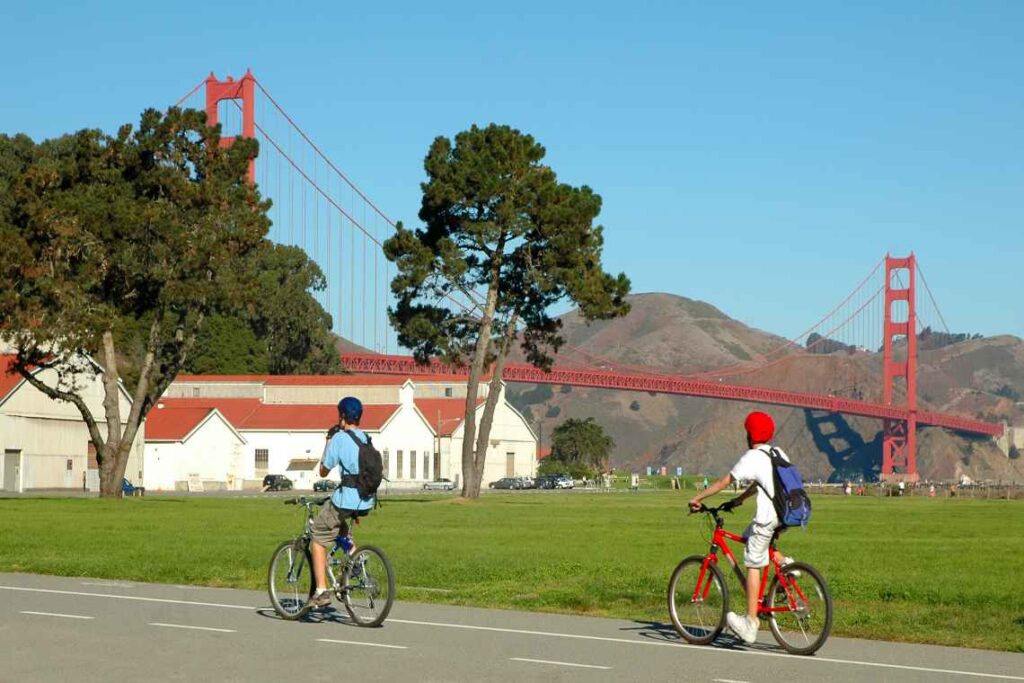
(774, 458)
(348, 478)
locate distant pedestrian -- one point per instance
(634, 482)
(931, 491)
(705, 484)
(901, 487)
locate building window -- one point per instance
(412, 464)
(262, 459)
(426, 464)
(71, 464)
(398, 463)
(448, 392)
(195, 392)
(385, 458)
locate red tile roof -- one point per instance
(173, 424)
(356, 380)
(249, 379)
(234, 410)
(450, 411)
(311, 417)
(8, 381)
(365, 380)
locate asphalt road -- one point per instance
(84, 630)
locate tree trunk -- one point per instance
(483, 438)
(110, 454)
(472, 466)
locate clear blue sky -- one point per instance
(761, 157)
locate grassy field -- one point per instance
(922, 570)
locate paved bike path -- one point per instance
(56, 628)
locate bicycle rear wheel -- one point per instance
(805, 624)
(698, 600)
(290, 579)
(368, 586)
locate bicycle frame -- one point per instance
(307, 538)
(720, 541)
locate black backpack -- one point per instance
(371, 469)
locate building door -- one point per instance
(510, 464)
(12, 471)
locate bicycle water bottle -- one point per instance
(345, 542)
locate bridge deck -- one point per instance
(669, 384)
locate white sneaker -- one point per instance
(743, 626)
(796, 573)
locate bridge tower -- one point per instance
(230, 89)
(899, 440)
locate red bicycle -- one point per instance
(796, 604)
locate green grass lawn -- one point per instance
(913, 569)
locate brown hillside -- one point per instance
(675, 334)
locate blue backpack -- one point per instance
(792, 504)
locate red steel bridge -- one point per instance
(317, 207)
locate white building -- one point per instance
(416, 425)
(191, 448)
(45, 444)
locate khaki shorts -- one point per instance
(330, 523)
(759, 539)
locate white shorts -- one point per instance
(759, 538)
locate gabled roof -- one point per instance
(234, 410)
(9, 380)
(251, 414)
(450, 412)
(169, 423)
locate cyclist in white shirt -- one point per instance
(753, 469)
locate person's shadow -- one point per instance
(323, 615)
(666, 633)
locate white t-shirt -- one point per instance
(756, 466)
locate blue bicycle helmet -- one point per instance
(351, 409)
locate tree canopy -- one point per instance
(582, 441)
(503, 240)
(154, 226)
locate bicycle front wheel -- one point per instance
(290, 579)
(368, 586)
(697, 600)
(805, 618)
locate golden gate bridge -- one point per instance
(318, 208)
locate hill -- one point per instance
(978, 377)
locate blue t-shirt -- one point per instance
(342, 451)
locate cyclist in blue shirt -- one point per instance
(341, 451)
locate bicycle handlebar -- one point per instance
(302, 500)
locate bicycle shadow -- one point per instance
(666, 633)
(324, 615)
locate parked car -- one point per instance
(277, 482)
(439, 485)
(546, 482)
(129, 489)
(564, 481)
(504, 483)
(526, 482)
(324, 485)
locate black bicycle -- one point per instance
(362, 579)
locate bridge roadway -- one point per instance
(670, 384)
(90, 630)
